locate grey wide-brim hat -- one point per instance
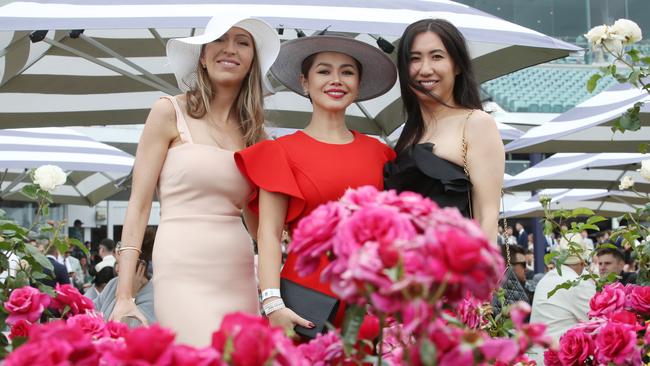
(378, 75)
(183, 53)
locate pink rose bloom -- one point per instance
(519, 311)
(143, 346)
(616, 343)
(91, 323)
(312, 238)
(68, 295)
(252, 339)
(326, 349)
(610, 299)
(183, 355)
(575, 347)
(552, 358)
(638, 299)
(365, 196)
(533, 334)
(469, 312)
(383, 225)
(26, 303)
(625, 317)
(52, 353)
(502, 350)
(416, 315)
(116, 329)
(459, 355)
(20, 329)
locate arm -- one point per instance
(159, 132)
(273, 210)
(486, 165)
(251, 221)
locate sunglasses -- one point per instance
(523, 264)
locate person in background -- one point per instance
(99, 282)
(522, 235)
(107, 252)
(60, 273)
(611, 260)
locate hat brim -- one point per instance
(378, 76)
(183, 53)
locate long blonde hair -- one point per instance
(248, 108)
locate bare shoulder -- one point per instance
(162, 118)
(481, 119)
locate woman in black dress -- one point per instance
(450, 150)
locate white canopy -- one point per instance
(113, 71)
(585, 127)
(602, 201)
(95, 170)
(574, 170)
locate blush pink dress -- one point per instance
(203, 255)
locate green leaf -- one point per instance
(595, 219)
(428, 353)
(60, 245)
(565, 285)
(629, 122)
(351, 325)
(548, 227)
(634, 54)
(633, 78)
(581, 211)
(548, 258)
(77, 243)
(39, 257)
(643, 148)
(17, 342)
(31, 191)
(592, 83)
(645, 60)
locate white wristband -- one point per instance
(272, 306)
(269, 292)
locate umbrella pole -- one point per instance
(15, 182)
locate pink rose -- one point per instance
(26, 303)
(638, 299)
(182, 355)
(610, 299)
(116, 329)
(364, 196)
(469, 312)
(52, 353)
(459, 355)
(552, 358)
(20, 329)
(502, 350)
(575, 347)
(91, 323)
(143, 346)
(519, 311)
(252, 339)
(326, 349)
(383, 225)
(616, 343)
(68, 296)
(312, 238)
(625, 317)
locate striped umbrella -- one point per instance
(602, 201)
(95, 170)
(586, 128)
(112, 72)
(580, 170)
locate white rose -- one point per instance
(627, 29)
(597, 35)
(645, 169)
(626, 182)
(49, 177)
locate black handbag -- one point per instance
(311, 305)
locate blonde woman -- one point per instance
(203, 256)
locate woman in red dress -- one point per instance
(298, 172)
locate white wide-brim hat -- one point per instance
(378, 71)
(183, 53)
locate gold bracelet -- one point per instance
(129, 248)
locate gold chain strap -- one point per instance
(505, 222)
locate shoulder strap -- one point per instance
(464, 143)
(181, 124)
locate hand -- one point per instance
(288, 319)
(126, 308)
(140, 279)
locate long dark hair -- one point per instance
(466, 92)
